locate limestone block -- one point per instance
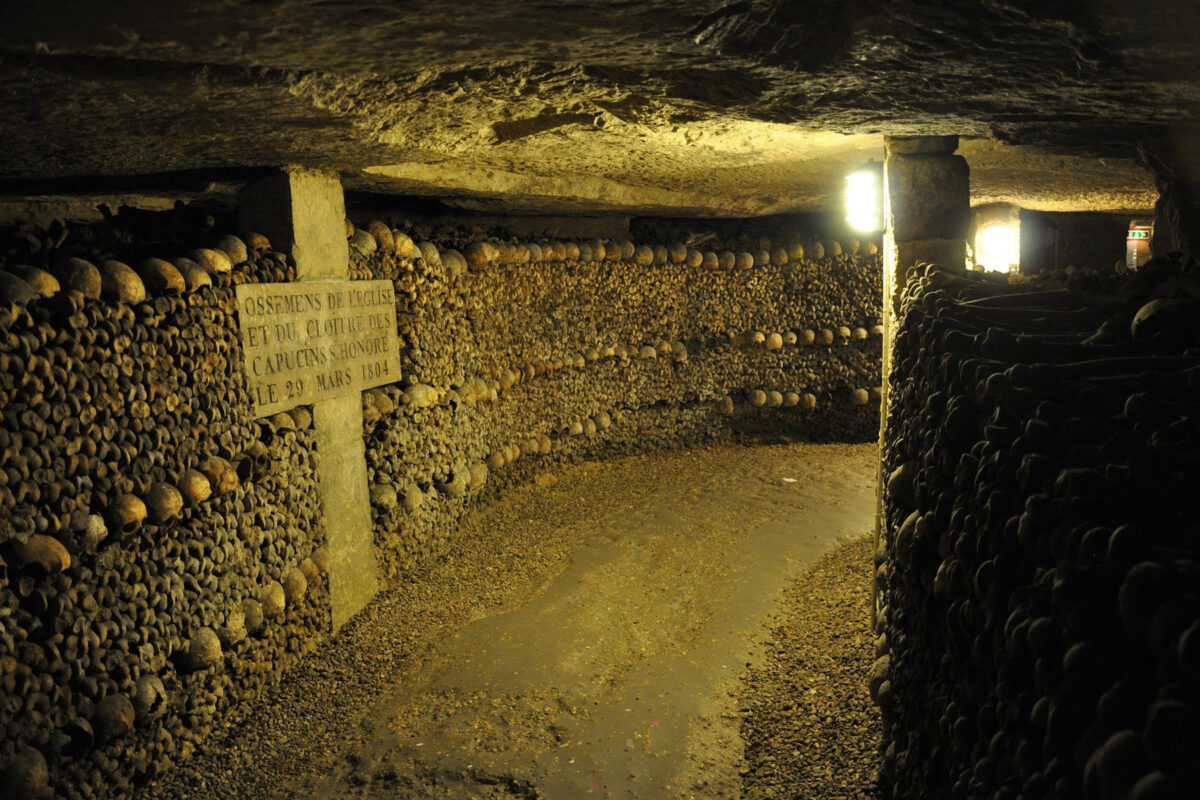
(353, 576)
(947, 253)
(302, 212)
(930, 197)
(921, 145)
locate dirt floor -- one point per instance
(623, 633)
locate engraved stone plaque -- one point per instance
(314, 340)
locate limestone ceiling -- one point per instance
(660, 106)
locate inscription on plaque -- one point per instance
(314, 340)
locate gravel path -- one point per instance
(584, 639)
(811, 730)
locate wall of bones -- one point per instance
(521, 357)
(162, 553)
(1039, 575)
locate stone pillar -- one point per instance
(303, 212)
(927, 214)
(927, 207)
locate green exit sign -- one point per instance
(1139, 234)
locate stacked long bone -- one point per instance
(138, 613)
(1039, 620)
(804, 280)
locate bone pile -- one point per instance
(1039, 574)
(160, 551)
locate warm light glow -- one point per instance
(999, 247)
(864, 200)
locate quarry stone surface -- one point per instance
(300, 211)
(708, 108)
(307, 208)
(353, 571)
(929, 196)
(308, 341)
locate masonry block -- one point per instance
(930, 196)
(302, 211)
(946, 253)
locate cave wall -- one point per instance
(1054, 241)
(1040, 629)
(1091, 240)
(163, 557)
(1172, 158)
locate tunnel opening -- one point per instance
(404, 400)
(522, 351)
(167, 578)
(197, 519)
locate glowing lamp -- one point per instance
(998, 246)
(864, 198)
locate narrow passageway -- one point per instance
(585, 639)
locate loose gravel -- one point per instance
(323, 732)
(811, 730)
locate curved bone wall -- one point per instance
(162, 552)
(517, 362)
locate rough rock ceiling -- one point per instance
(659, 106)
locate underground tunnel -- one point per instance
(752, 400)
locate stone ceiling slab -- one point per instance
(663, 106)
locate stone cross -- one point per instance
(302, 212)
